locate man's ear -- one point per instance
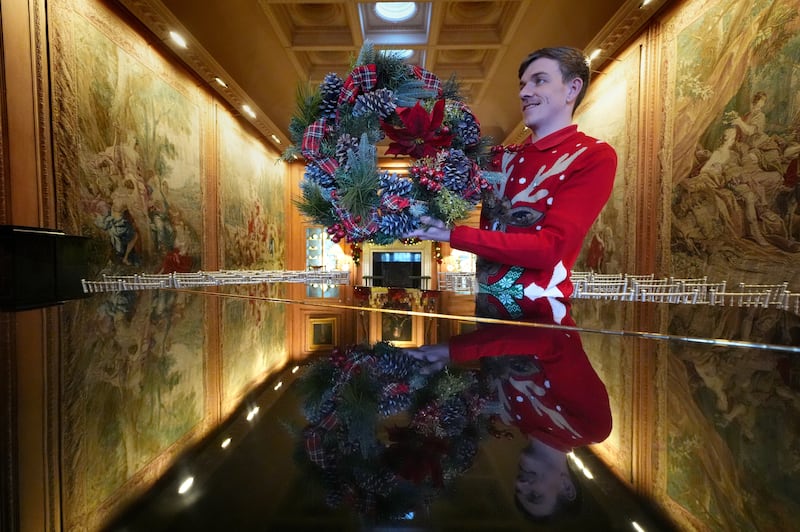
(574, 88)
(568, 490)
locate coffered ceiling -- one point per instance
(262, 49)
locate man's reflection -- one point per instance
(403, 417)
(541, 382)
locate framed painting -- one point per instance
(322, 333)
(399, 328)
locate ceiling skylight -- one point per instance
(395, 11)
(400, 54)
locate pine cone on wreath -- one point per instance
(457, 170)
(329, 89)
(397, 365)
(381, 102)
(396, 224)
(319, 176)
(453, 417)
(393, 404)
(345, 144)
(468, 129)
(393, 185)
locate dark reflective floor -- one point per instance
(637, 416)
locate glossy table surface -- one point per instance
(372, 435)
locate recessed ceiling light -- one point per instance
(178, 39)
(221, 82)
(395, 11)
(249, 111)
(275, 138)
(593, 55)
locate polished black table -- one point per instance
(704, 402)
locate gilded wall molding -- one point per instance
(43, 117)
(9, 518)
(648, 194)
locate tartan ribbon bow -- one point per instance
(355, 231)
(362, 78)
(312, 140)
(428, 78)
(313, 440)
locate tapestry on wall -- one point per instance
(130, 390)
(126, 141)
(253, 236)
(127, 147)
(609, 113)
(735, 119)
(733, 425)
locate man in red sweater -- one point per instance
(541, 382)
(533, 225)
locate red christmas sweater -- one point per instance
(533, 225)
(559, 399)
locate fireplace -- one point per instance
(397, 266)
(397, 269)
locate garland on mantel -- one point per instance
(336, 129)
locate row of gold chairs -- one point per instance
(148, 281)
(698, 290)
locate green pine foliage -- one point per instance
(357, 126)
(358, 410)
(360, 184)
(411, 91)
(316, 380)
(306, 113)
(451, 89)
(391, 71)
(314, 206)
(366, 55)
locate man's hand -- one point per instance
(435, 355)
(431, 229)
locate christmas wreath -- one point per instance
(382, 437)
(336, 129)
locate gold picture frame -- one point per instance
(401, 329)
(322, 333)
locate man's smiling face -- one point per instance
(547, 101)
